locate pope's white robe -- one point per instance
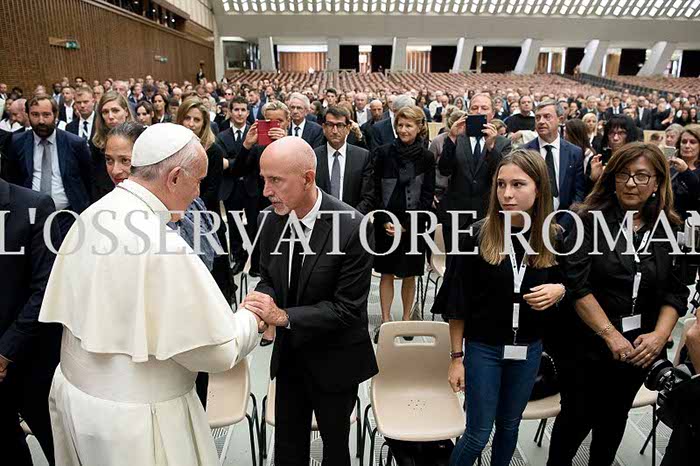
(141, 316)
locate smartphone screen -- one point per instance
(606, 154)
(475, 125)
(669, 152)
(264, 129)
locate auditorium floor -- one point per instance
(528, 453)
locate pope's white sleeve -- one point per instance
(223, 357)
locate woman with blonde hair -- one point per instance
(404, 177)
(497, 301)
(112, 110)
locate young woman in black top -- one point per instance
(628, 303)
(497, 303)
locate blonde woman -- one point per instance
(503, 337)
(404, 178)
(112, 111)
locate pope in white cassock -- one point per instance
(141, 315)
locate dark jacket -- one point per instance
(328, 334)
(312, 133)
(74, 163)
(357, 183)
(227, 140)
(382, 133)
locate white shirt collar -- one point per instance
(235, 128)
(309, 219)
(342, 150)
(51, 139)
(300, 125)
(89, 119)
(555, 144)
(146, 196)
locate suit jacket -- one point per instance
(257, 116)
(645, 121)
(470, 183)
(22, 290)
(357, 183)
(311, 117)
(227, 140)
(382, 133)
(572, 182)
(73, 159)
(367, 112)
(74, 127)
(610, 112)
(328, 334)
(312, 133)
(62, 116)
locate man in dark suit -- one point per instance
(643, 114)
(29, 351)
(376, 109)
(233, 190)
(383, 132)
(615, 109)
(471, 163)
(348, 175)
(84, 126)
(564, 160)
(52, 161)
(66, 112)
(361, 111)
(319, 305)
(301, 127)
(255, 105)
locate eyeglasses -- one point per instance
(640, 179)
(338, 126)
(619, 133)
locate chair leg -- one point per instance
(543, 423)
(251, 430)
(653, 436)
(358, 411)
(262, 437)
(654, 423)
(424, 296)
(256, 420)
(365, 429)
(389, 457)
(537, 432)
(373, 433)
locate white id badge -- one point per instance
(631, 323)
(515, 352)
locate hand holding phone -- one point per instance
(264, 127)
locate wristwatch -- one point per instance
(456, 354)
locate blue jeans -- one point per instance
(496, 390)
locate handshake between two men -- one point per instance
(265, 310)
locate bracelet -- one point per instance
(456, 354)
(605, 330)
(562, 295)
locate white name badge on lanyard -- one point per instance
(515, 352)
(630, 323)
(634, 321)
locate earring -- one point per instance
(653, 194)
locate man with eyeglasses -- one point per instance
(564, 160)
(300, 127)
(342, 170)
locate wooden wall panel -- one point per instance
(301, 61)
(113, 44)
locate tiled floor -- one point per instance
(528, 453)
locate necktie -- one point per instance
(238, 136)
(296, 131)
(46, 167)
(86, 135)
(297, 261)
(552, 172)
(477, 151)
(335, 176)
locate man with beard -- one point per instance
(52, 161)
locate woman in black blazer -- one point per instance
(404, 180)
(619, 333)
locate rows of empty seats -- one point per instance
(400, 82)
(664, 83)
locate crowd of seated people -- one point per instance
(574, 144)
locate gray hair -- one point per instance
(674, 128)
(403, 101)
(183, 158)
(557, 107)
(300, 96)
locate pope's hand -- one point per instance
(264, 307)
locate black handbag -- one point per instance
(547, 381)
(420, 453)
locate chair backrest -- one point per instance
(228, 395)
(439, 261)
(418, 363)
(686, 326)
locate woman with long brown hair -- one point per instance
(628, 298)
(496, 302)
(685, 171)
